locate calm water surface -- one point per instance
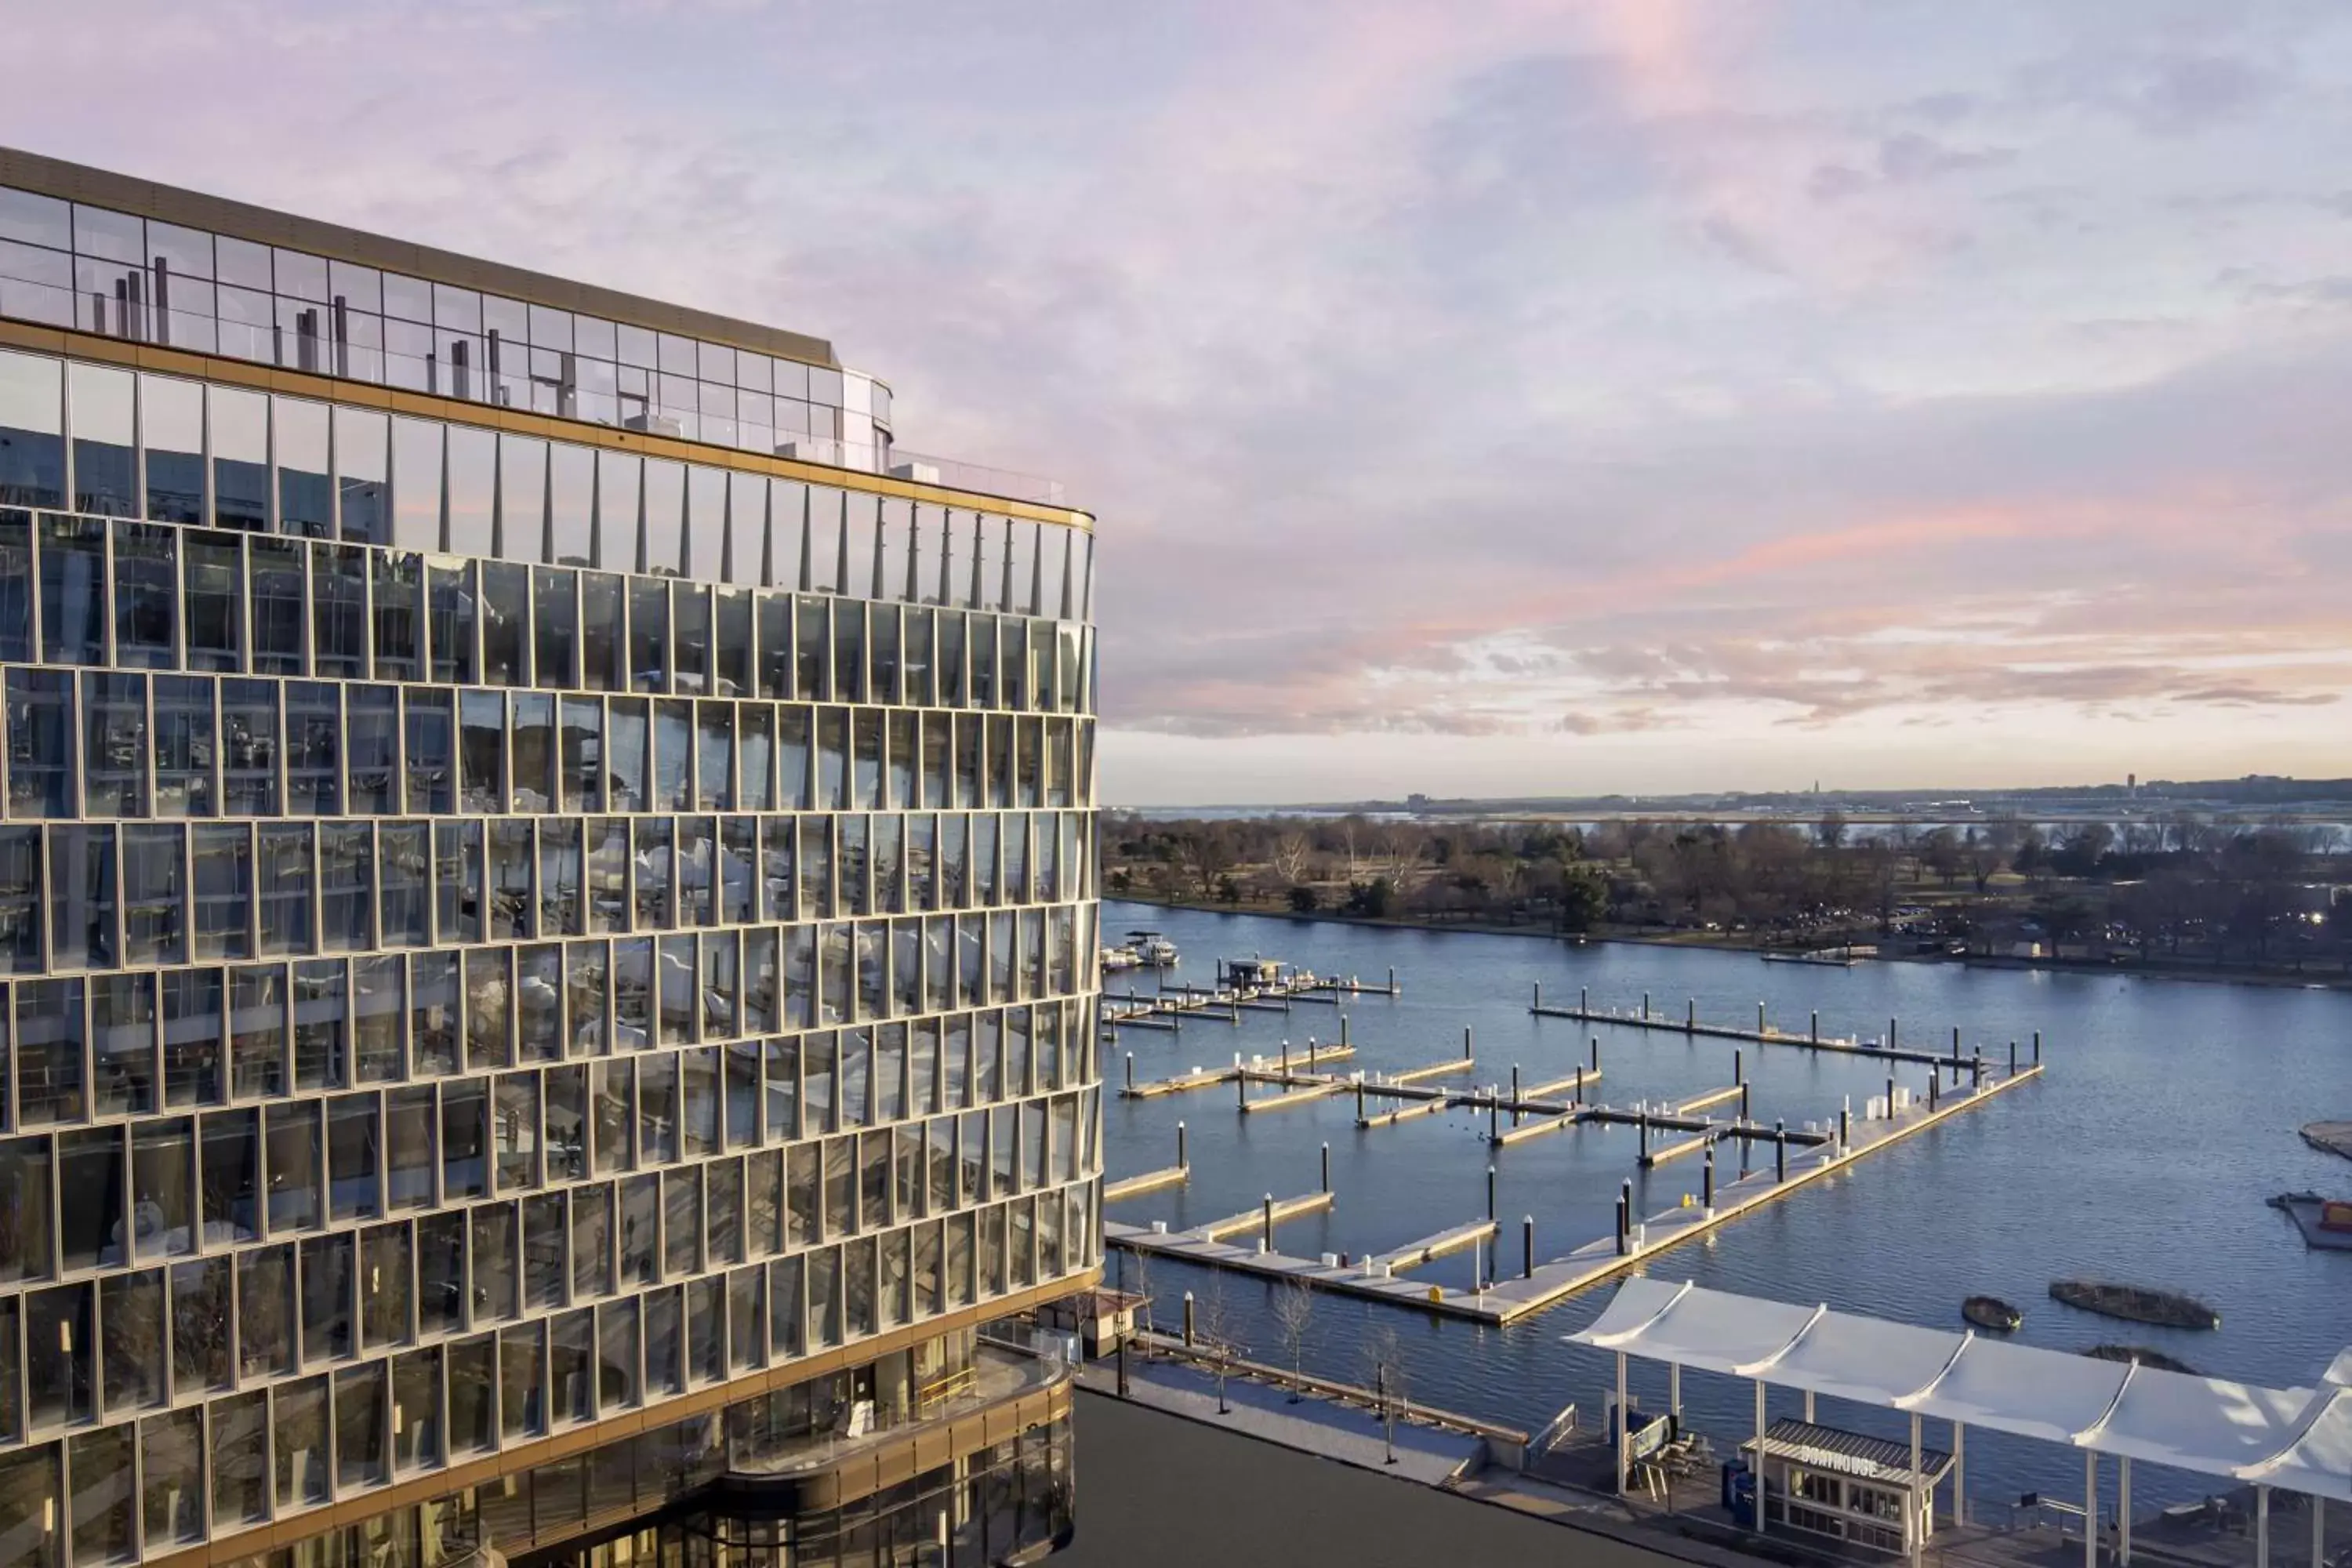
(2169, 1113)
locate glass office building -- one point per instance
(547, 928)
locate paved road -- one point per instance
(1158, 1490)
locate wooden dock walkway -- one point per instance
(1256, 1069)
(1429, 1249)
(1596, 1260)
(1256, 1219)
(1765, 1034)
(1149, 1182)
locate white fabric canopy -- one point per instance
(2291, 1439)
(1864, 1359)
(2319, 1459)
(1712, 1331)
(2198, 1423)
(2031, 1393)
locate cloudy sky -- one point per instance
(1616, 394)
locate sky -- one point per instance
(1474, 399)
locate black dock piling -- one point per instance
(1845, 1128)
(1465, 1042)
(1183, 1160)
(1579, 1086)
(1539, 1001)
(1890, 1097)
(1494, 1119)
(1285, 1058)
(1816, 1035)
(1188, 1320)
(1326, 1167)
(1270, 1222)
(1743, 1101)
(1596, 1053)
(2037, 1047)
(1526, 1246)
(1690, 1015)
(1343, 1028)
(1241, 1086)
(1359, 1101)
(1935, 1081)
(2012, 1059)
(1739, 1067)
(1760, 1019)
(1131, 1072)
(1706, 1180)
(1490, 1191)
(1641, 1119)
(1645, 1006)
(1624, 1218)
(1779, 1151)
(1890, 1034)
(1976, 1070)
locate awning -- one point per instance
(2293, 1438)
(2031, 1393)
(2319, 1457)
(1712, 1331)
(2198, 1423)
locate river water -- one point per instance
(2168, 1114)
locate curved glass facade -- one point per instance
(497, 935)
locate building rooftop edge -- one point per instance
(193, 209)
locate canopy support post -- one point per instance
(2319, 1528)
(2122, 1511)
(1960, 1473)
(1674, 1391)
(2262, 1526)
(2090, 1507)
(1763, 1524)
(1915, 1530)
(1624, 1424)
(1809, 1406)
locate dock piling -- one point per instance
(1241, 1089)
(1760, 1019)
(1579, 1085)
(1131, 1072)
(2037, 1047)
(1890, 1034)
(1391, 979)
(1285, 1058)
(1539, 1001)
(1326, 1167)
(1956, 1042)
(1645, 1006)
(1584, 999)
(2012, 1059)
(1976, 1070)
(1596, 1053)
(1890, 1097)
(1739, 1067)
(1359, 1101)
(1641, 1119)
(1270, 1222)
(1490, 1191)
(1935, 1083)
(1183, 1160)
(1780, 1150)
(1690, 1015)
(1465, 1042)
(1816, 1033)
(1526, 1246)
(1343, 1028)
(1707, 1181)
(1743, 1102)
(1494, 1119)
(1845, 1128)
(1188, 1320)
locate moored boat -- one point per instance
(2326, 1222)
(1992, 1312)
(2136, 1304)
(1152, 949)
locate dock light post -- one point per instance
(1343, 1028)
(1759, 1018)
(1624, 1208)
(1707, 1181)
(1269, 1222)
(1310, 1053)
(1286, 1057)
(1183, 1160)
(1779, 1151)
(1526, 1246)
(1816, 1035)
(1490, 1191)
(1188, 1320)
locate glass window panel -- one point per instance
(105, 481)
(506, 623)
(299, 1434)
(327, 1281)
(293, 1163)
(473, 1381)
(417, 1408)
(192, 1053)
(603, 646)
(200, 1353)
(665, 504)
(451, 615)
(285, 876)
(73, 591)
(488, 1009)
(114, 756)
(431, 756)
(223, 859)
(257, 1028)
(433, 1016)
(154, 927)
(32, 432)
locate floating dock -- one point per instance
(1541, 1285)
(1273, 1212)
(1149, 1182)
(1430, 1247)
(1765, 1034)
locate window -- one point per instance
(362, 469)
(214, 567)
(146, 596)
(338, 613)
(172, 426)
(306, 489)
(74, 604)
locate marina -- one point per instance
(2080, 1175)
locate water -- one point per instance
(2169, 1113)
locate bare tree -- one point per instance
(1294, 1309)
(1384, 1361)
(1289, 855)
(1216, 1325)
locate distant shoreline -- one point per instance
(2210, 975)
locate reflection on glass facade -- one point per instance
(498, 933)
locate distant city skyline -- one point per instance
(1636, 395)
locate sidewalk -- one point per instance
(1317, 1426)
